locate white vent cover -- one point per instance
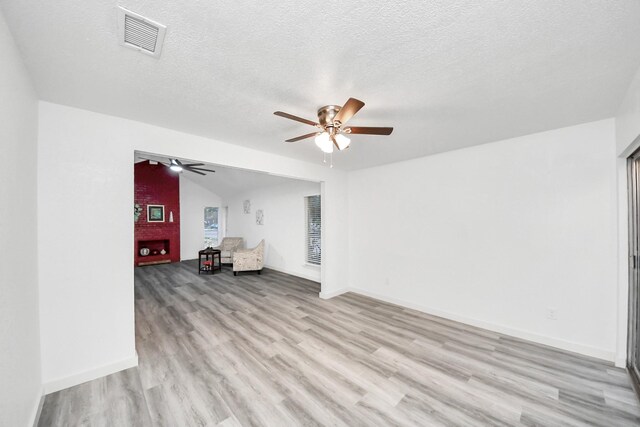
(139, 33)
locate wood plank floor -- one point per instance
(266, 351)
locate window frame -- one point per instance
(204, 228)
(310, 258)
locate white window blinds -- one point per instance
(314, 227)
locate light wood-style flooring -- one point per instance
(266, 351)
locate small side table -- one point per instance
(207, 261)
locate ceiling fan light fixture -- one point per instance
(175, 166)
(331, 123)
(323, 141)
(342, 141)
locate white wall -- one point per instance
(495, 234)
(20, 379)
(628, 118)
(193, 199)
(284, 225)
(85, 201)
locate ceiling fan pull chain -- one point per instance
(331, 157)
(324, 157)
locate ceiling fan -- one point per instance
(177, 166)
(332, 119)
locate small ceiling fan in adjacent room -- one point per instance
(177, 166)
(331, 124)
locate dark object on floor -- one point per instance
(207, 261)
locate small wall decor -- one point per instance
(247, 206)
(171, 216)
(155, 213)
(144, 251)
(137, 211)
(259, 217)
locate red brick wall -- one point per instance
(157, 185)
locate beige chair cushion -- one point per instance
(227, 247)
(249, 259)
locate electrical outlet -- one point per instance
(552, 314)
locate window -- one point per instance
(210, 227)
(314, 227)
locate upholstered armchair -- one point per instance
(227, 247)
(249, 259)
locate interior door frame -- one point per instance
(633, 325)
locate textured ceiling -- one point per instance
(446, 74)
(225, 182)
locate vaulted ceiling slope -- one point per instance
(445, 74)
(225, 182)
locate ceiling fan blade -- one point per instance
(178, 162)
(364, 130)
(296, 118)
(195, 171)
(350, 108)
(298, 138)
(200, 169)
(188, 165)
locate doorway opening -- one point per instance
(203, 205)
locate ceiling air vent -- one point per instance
(139, 33)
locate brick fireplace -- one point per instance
(157, 185)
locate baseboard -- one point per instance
(92, 374)
(37, 410)
(621, 362)
(598, 353)
(335, 293)
(293, 273)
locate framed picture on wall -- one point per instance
(155, 213)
